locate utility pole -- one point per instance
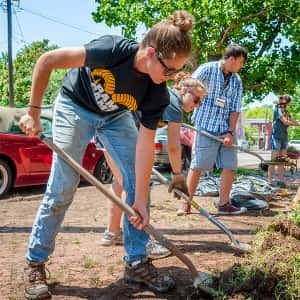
(10, 61)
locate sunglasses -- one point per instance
(167, 71)
(196, 99)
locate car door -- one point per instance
(35, 156)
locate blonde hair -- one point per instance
(184, 79)
(170, 37)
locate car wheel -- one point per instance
(5, 177)
(103, 172)
(185, 158)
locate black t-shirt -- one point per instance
(108, 82)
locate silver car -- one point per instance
(161, 150)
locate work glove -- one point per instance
(178, 182)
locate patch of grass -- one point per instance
(76, 242)
(89, 263)
(242, 171)
(273, 269)
(295, 215)
(95, 281)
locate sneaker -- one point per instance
(35, 281)
(143, 271)
(111, 238)
(156, 249)
(229, 209)
(185, 209)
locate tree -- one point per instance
(23, 68)
(269, 29)
(294, 109)
(263, 112)
(251, 134)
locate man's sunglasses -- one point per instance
(167, 71)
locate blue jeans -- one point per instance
(278, 144)
(73, 128)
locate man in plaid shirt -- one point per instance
(218, 115)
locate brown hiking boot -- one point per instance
(144, 272)
(35, 281)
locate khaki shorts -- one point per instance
(206, 152)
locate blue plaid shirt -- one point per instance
(209, 116)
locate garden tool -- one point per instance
(200, 278)
(243, 247)
(263, 164)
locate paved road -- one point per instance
(247, 160)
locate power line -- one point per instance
(18, 23)
(58, 22)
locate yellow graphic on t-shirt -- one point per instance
(126, 100)
(162, 124)
(103, 84)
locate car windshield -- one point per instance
(46, 124)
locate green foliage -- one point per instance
(266, 112)
(250, 134)
(268, 29)
(294, 109)
(272, 269)
(292, 149)
(295, 216)
(263, 112)
(242, 172)
(23, 68)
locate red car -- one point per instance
(26, 161)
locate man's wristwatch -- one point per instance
(231, 132)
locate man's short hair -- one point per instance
(285, 98)
(235, 50)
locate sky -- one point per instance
(36, 20)
(62, 22)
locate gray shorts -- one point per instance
(206, 152)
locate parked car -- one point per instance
(295, 144)
(161, 148)
(243, 144)
(26, 161)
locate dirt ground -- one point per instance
(82, 269)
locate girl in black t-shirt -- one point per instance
(106, 78)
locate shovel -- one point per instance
(213, 137)
(243, 247)
(263, 164)
(199, 278)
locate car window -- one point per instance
(14, 128)
(46, 124)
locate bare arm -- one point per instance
(228, 138)
(143, 166)
(56, 59)
(287, 122)
(233, 118)
(174, 146)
